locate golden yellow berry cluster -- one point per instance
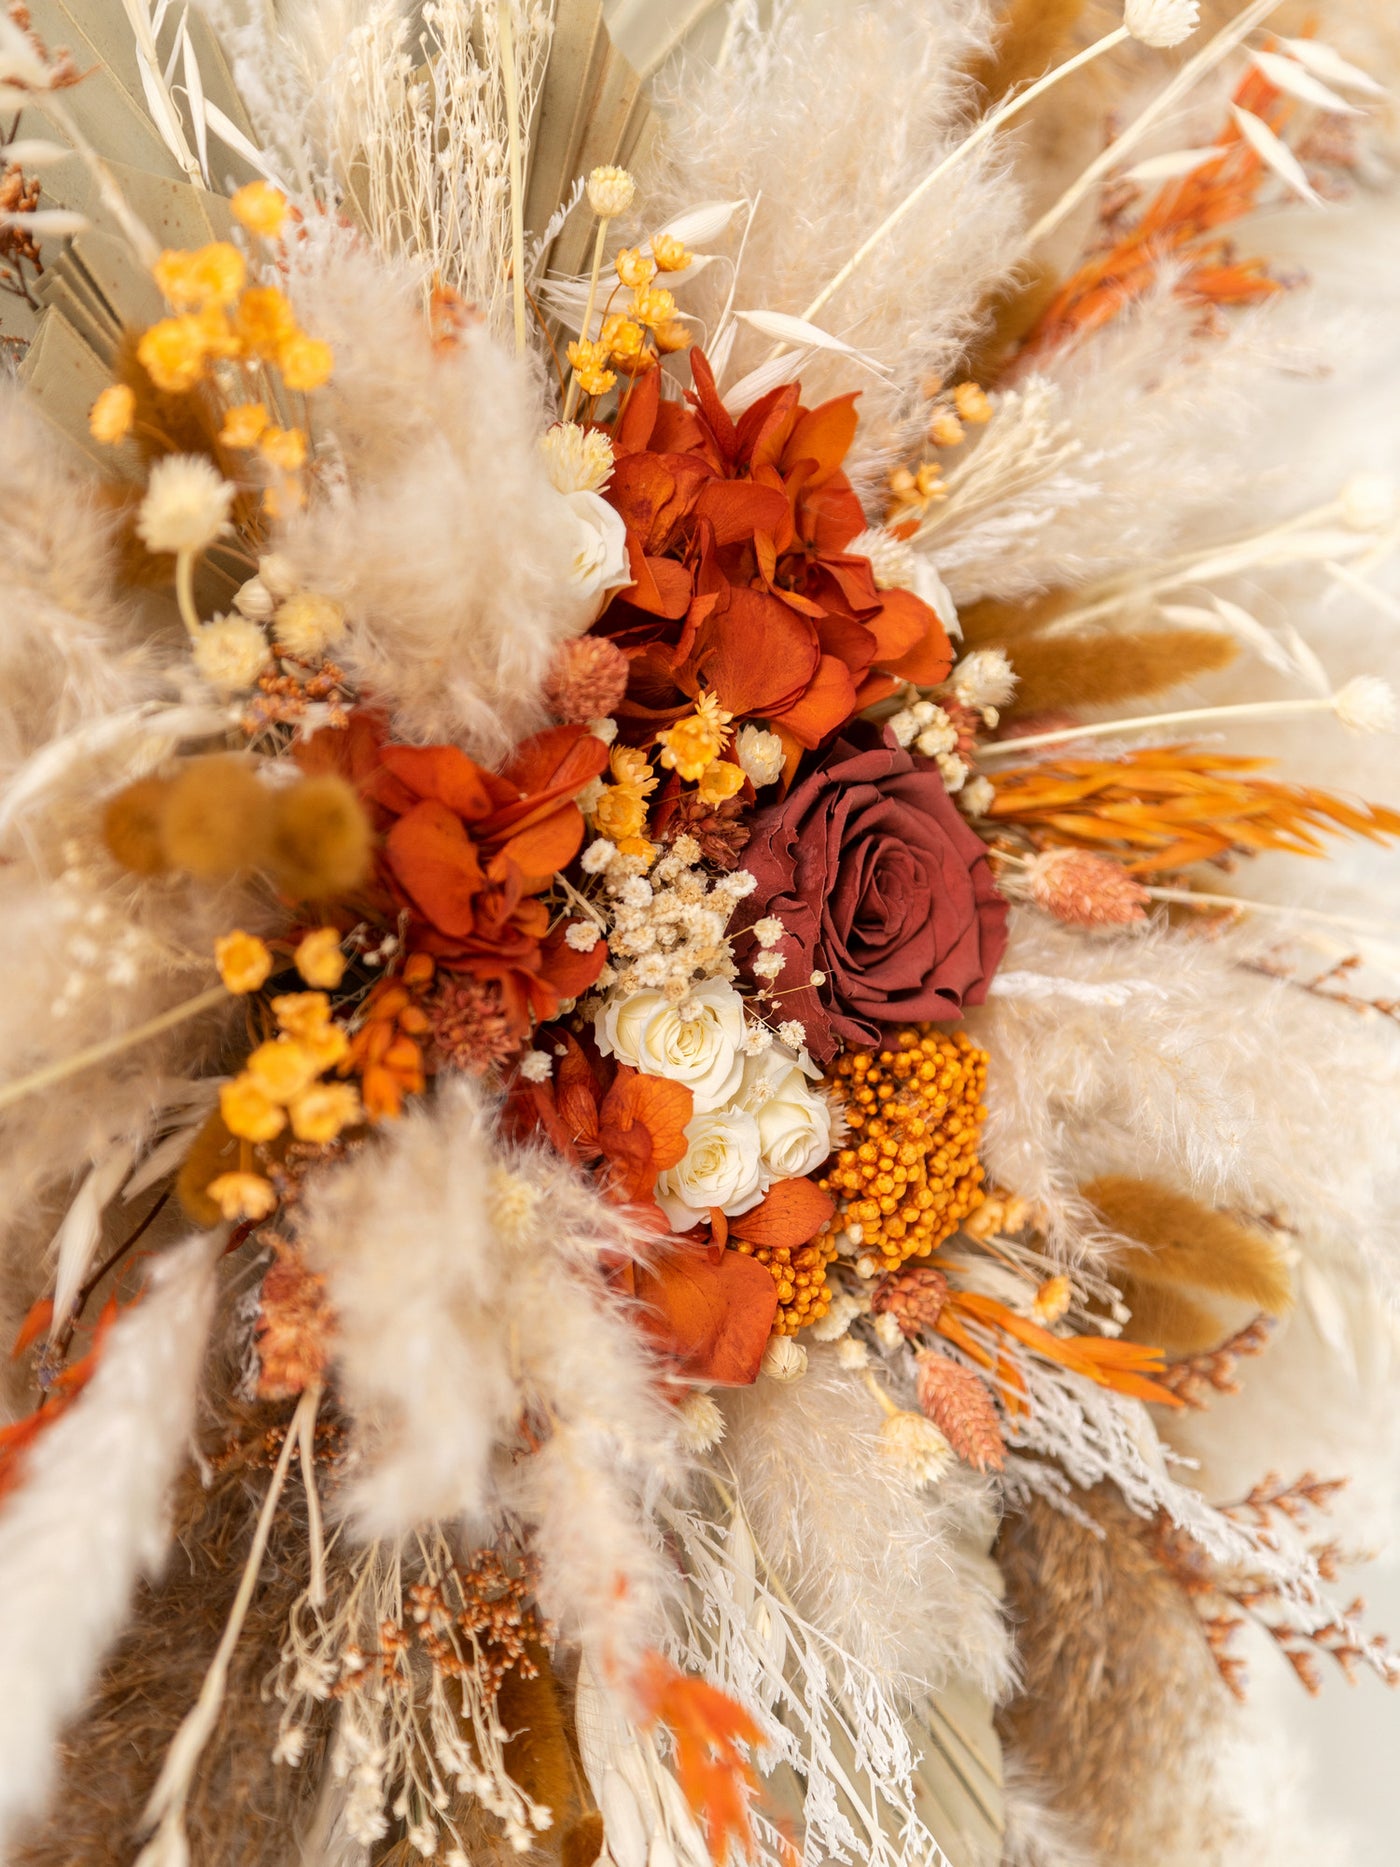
(800, 1273)
(909, 1173)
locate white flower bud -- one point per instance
(783, 1360)
(1162, 23)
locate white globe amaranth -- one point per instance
(1162, 23)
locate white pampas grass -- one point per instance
(464, 1277)
(1185, 1085)
(735, 131)
(87, 1519)
(889, 1573)
(449, 545)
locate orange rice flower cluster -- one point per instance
(909, 1174)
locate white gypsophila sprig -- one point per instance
(1162, 23)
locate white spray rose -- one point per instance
(696, 1043)
(723, 1167)
(794, 1125)
(599, 542)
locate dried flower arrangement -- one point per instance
(627, 1113)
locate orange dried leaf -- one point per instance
(712, 1735)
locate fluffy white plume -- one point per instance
(1185, 1085)
(821, 179)
(88, 1518)
(447, 543)
(891, 1574)
(465, 1282)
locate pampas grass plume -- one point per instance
(89, 1517)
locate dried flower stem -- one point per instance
(1199, 898)
(517, 185)
(1166, 100)
(1152, 722)
(184, 592)
(572, 400)
(167, 1801)
(985, 130)
(80, 1060)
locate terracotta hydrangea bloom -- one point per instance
(467, 852)
(742, 581)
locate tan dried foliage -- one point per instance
(1120, 1699)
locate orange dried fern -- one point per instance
(1163, 808)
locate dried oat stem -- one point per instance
(1196, 898)
(1152, 722)
(64, 1067)
(167, 1802)
(1170, 95)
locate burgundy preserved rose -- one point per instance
(882, 886)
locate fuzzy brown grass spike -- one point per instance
(1031, 35)
(1120, 1701)
(1169, 1319)
(1008, 317)
(244, 1810)
(1188, 1244)
(1099, 668)
(995, 624)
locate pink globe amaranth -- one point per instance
(882, 886)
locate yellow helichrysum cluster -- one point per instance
(219, 315)
(909, 1173)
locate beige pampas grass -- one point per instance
(90, 1518)
(451, 551)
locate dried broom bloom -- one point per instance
(959, 1405)
(471, 1030)
(321, 839)
(1084, 890)
(586, 680)
(216, 818)
(914, 1297)
(131, 827)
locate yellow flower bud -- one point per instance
(669, 253)
(111, 415)
(305, 362)
(242, 1196)
(633, 266)
(248, 1113)
(260, 208)
(319, 959)
(281, 1068)
(321, 1113)
(243, 961)
(243, 425)
(720, 780)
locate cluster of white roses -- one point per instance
(757, 1118)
